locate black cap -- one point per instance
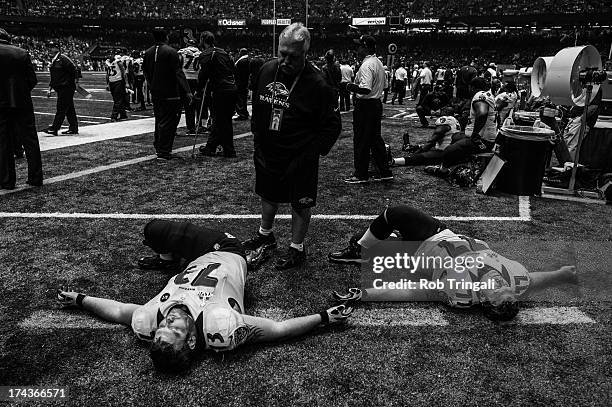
(366, 40)
(53, 44)
(4, 36)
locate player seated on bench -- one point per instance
(511, 279)
(202, 307)
(446, 132)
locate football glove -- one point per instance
(66, 298)
(339, 313)
(353, 295)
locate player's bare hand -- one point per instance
(66, 298)
(353, 295)
(339, 313)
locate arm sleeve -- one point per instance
(204, 75)
(366, 79)
(180, 75)
(256, 108)
(30, 73)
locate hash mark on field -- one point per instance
(554, 315)
(399, 317)
(53, 319)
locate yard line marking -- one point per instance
(553, 315)
(144, 216)
(54, 319)
(380, 317)
(102, 168)
(139, 115)
(78, 115)
(398, 317)
(525, 208)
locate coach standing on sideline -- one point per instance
(63, 75)
(368, 89)
(217, 68)
(242, 84)
(163, 71)
(17, 124)
(293, 123)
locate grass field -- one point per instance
(557, 353)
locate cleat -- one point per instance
(292, 258)
(157, 263)
(353, 295)
(349, 255)
(258, 241)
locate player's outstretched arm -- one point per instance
(110, 310)
(268, 330)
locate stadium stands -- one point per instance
(190, 9)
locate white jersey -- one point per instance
(507, 98)
(489, 131)
(347, 73)
(137, 66)
(213, 284)
(116, 71)
(455, 128)
(491, 266)
(189, 61)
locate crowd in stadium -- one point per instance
(190, 9)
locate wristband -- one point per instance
(324, 317)
(79, 300)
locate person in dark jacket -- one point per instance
(17, 123)
(433, 101)
(294, 122)
(242, 84)
(64, 74)
(331, 72)
(169, 89)
(218, 70)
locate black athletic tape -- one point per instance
(79, 299)
(324, 317)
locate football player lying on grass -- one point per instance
(509, 279)
(201, 307)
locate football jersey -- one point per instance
(509, 98)
(503, 271)
(137, 66)
(189, 61)
(489, 131)
(211, 284)
(115, 70)
(455, 127)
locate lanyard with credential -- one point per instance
(276, 114)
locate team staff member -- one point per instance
(426, 80)
(189, 61)
(400, 77)
(217, 68)
(368, 89)
(294, 122)
(345, 95)
(64, 76)
(242, 84)
(202, 308)
(116, 80)
(17, 123)
(168, 86)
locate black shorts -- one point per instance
(293, 181)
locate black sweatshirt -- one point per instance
(310, 122)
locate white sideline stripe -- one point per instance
(88, 122)
(525, 208)
(574, 199)
(99, 132)
(96, 170)
(383, 317)
(554, 315)
(78, 115)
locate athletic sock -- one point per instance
(166, 256)
(265, 232)
(368, 240)
(298, 246)
(399, 161)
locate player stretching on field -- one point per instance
(202, 307)
(511, 279)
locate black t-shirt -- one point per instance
(310, 121)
